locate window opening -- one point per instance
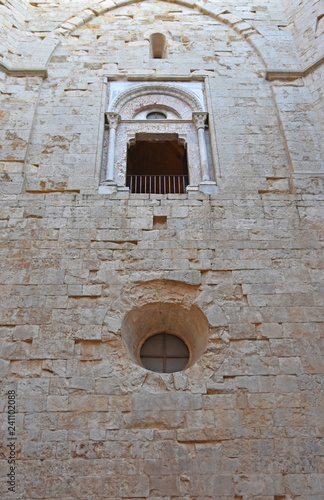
(156, 115)
(164, 353)
(157, 112)
(158, 167)
(158, 45)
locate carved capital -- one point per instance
(113, 119)
(199, 119)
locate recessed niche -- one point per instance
(160, 222)
(189, 325)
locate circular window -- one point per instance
(156, 115)
(183, 331)
(164, 353)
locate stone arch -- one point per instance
(141, 90)
(36, 65)
(245, 29)
(186, 129)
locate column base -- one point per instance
(108, 187)
(192, 189)
(208, 187)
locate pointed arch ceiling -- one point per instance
(46, 48)
(245, 29)
(242, 27)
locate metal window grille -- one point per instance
(157, 184)
(164, 353)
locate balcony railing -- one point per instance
(158, 184)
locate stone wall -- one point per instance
(306, 24)
(242, 109)
(245, 421)
(12, 16)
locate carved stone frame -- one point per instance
(121, 128)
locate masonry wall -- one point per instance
(246, 420)
(306, 24)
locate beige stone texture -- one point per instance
(236, 271)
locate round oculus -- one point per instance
(164, 353)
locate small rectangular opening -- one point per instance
(160, 222)
(158, 44)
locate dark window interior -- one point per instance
(157, 167)
(164, 353)
(156, 115)
(158, 43)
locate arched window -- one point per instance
(156, 139)
(158, 46)
(156, 115)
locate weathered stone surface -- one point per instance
(245, 421)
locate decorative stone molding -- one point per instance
(14, 71)
(158, 88)
(113, 119)
(33, 56)
(125, 98)
(277, 74)
(199, 119)
(241, 26)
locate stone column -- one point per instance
(199, 119)
(113, 120)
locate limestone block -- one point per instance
(57, 403)
(4, 368)
(167, 402)
(97, 435)
(162, 485)
(291, 366)
(286, 383)
(33, 394)
(80, 403)
(256, 383)
(25, 332)
(41, 349)
(259, 484)
(244, 331)
(312, 363)
(26, 368)
(60, 435)
(82, 384)
(16, 350)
